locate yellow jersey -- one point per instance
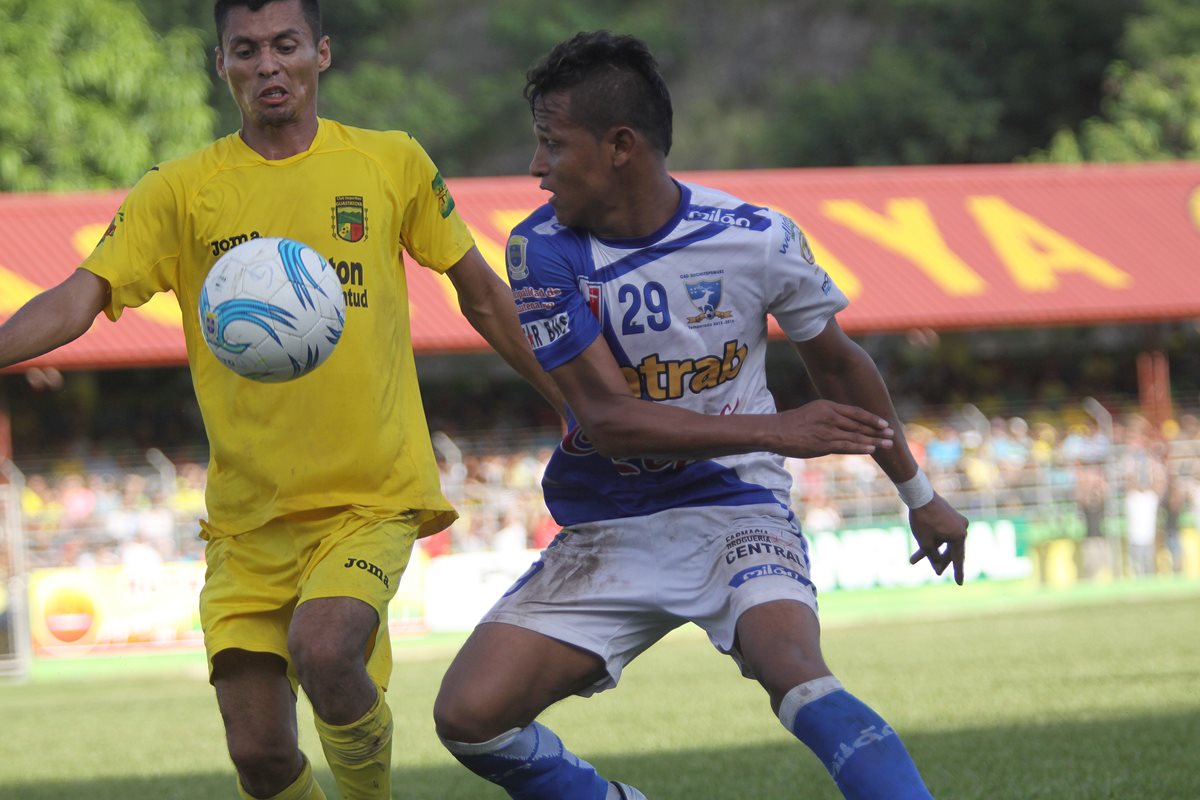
(353, 432)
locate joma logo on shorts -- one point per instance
(369, 567)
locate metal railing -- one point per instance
(1038, 484)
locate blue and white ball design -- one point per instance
(272, 309)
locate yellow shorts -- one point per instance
(256, 579)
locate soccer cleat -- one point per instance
(626, 792)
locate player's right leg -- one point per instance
(259, 711)
(568, 626)
(245, 605)
(485, 712)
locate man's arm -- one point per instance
(842, 371)
(621, 425)
(487, 303)
(53, 318)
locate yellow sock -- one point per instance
(303, 788)
(360, 754)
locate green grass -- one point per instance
(1000, 691)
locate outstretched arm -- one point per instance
(487, 303)
(842, 371)
(53, 318)
(621, 425)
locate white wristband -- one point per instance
(916, 491)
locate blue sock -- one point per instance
(532, 763)
(863, 754)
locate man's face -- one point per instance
(573, 165)
(270, 62)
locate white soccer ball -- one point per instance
(272, 309)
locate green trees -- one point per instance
(943, 81)
(92, 96)
(1151, 109)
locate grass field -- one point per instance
(999, 690)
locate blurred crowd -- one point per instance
(1075, 476)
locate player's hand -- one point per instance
(941, 533)
(823, 427)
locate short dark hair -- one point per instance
(221, 9)
(612, 80)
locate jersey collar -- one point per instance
(685, 200)
(253, 156)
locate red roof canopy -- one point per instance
(913, 247)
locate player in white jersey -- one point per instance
(647, 301)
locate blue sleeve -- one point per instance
(547, 264)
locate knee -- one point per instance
(321, 663)
(787, 668)
(459, 716)
(264, 758)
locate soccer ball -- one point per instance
(271, 309)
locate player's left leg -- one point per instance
(327, 639)
(778, 643)
(759, 605)
(339, 645)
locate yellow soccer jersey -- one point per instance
(353, 432)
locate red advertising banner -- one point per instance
(913, 247)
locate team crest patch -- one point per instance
(706, 297)
(445, 200)
(514, 256)
(350, 218)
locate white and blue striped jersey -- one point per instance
(684, 311)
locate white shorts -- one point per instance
(616, 587)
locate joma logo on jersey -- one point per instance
(366, 566)
(669, 380)
(225, 245)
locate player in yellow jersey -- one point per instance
(317, 488)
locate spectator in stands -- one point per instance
(944, 451)
(512, 535)
(138, 553)
(1171, 517)
(1091, 496)
(544, 526)
(820, 515)
(1144, 481)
